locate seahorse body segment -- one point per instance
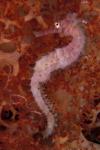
(59, 58)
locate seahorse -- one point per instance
(57, 59)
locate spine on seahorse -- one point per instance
(59, 58)
(36, 91)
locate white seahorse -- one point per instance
(58, 59)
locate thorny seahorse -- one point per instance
(58, 59)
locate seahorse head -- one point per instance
(61, 26)
(70, 21)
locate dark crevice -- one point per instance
(3, 128)
(6, 115)
(92, 135)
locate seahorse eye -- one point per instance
(57, 25)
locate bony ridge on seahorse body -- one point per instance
(58, 59)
